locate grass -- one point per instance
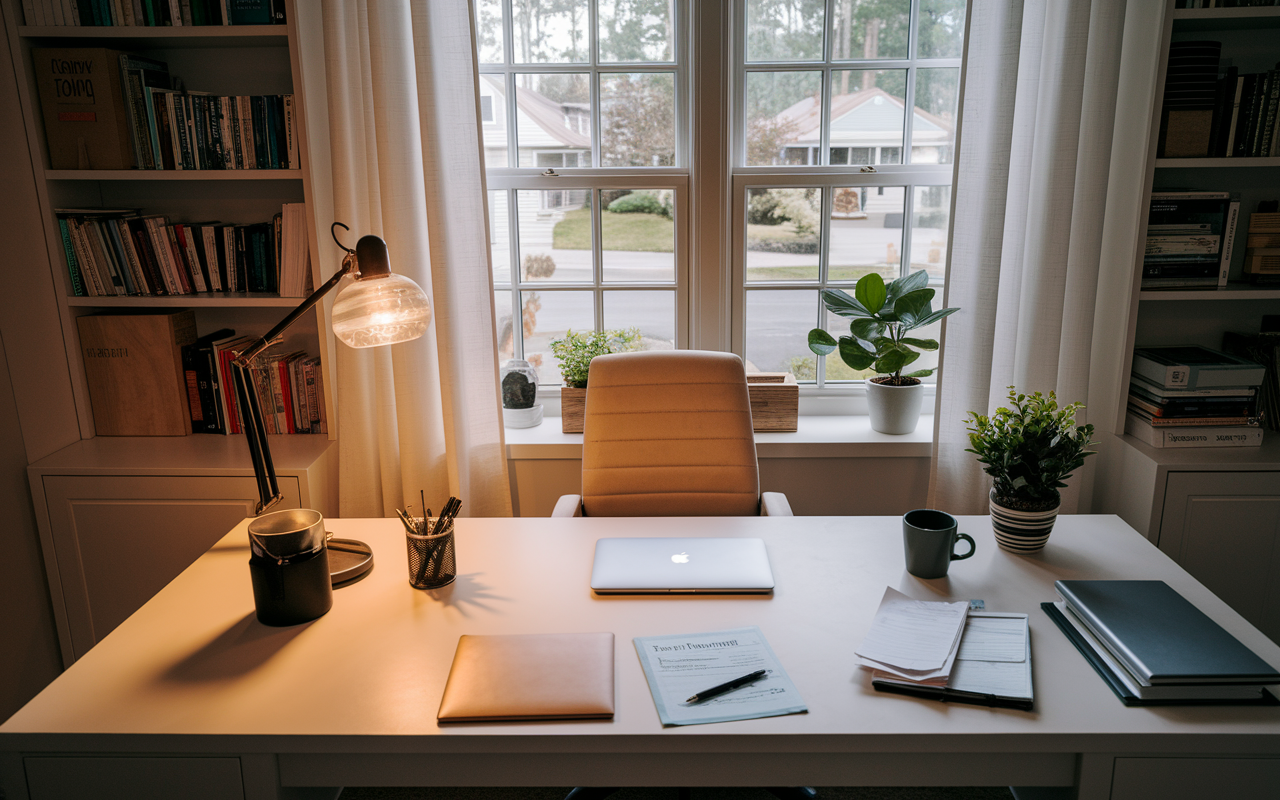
(647, 233)
(810, 273)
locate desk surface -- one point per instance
(368, 676)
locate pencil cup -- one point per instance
(431, 560)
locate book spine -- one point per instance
(242, 256)
(209, 366)
(174, 125)
(188, 245)
(1234, 119)
(1228, 243)
(216, 150)
(229, 258)
(77, 285)
(191, 381)
(313, 408)
(291, 140)
(131, 82)
(209, 241)
(195, 127)
(181, 268)
(286, 395)
(120, 233)
(227, 142)
(79, 238)
(258, 115)
(229, 391)
(102, 253)
(323, 421)
(146, 254)
(1269, 121)
(160, 248)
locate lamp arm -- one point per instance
(255, 429)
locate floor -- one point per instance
(962, 793)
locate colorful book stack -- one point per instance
(1191, 396)
(1262, 247)
(290, 387)
(1190, 237)
(114, 252)
(1213, 114)
(154, 12)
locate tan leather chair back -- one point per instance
(668, 433)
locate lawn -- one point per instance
(648, 233)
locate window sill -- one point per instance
(845, 436)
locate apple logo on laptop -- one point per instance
(680, 558)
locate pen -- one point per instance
(706, 694)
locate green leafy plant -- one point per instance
(882, 317)
(576, 350)
(1030, 448)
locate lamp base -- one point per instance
(349, 561)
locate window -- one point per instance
(841, 122)
(588, 185)
(830, 95)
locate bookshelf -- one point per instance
(173, 496)
(1215, 511)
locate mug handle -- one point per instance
(972, 547)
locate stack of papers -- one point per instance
(915, 640)
(943, 651)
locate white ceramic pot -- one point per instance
(1021, 531)
(894, 409)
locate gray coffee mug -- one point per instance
(929, 537)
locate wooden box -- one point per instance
(775, 401)
(133, 366)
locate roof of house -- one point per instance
(546, 113)
(867, 112)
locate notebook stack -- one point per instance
(1262, 247)
(1190, 237)
(1191, 396)
(1153, 647)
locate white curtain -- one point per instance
(407, 166)
(1037, 115)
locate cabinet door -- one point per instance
(1224, 528)
(120, 539)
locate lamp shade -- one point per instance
(378, 310)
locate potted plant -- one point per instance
(575, 352)
(882, 317)
(1029, 449)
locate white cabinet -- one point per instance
(119, 520)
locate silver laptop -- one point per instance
(690, 566)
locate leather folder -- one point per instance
(530, 676)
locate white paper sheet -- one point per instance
(913, 636)
(994, 657)
(678, 667)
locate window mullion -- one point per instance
(597, 256)
(908, 214)
(517, 300)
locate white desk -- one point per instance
(351, 698)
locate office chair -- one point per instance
(668, 434)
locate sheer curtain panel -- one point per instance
(404, 141)
(1037, 115)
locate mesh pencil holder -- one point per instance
(431, 560)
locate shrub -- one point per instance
(576, 350)
(539, 265)
(761, 203)
(637, 203)
(807, 245)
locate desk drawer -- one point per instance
(124, 778)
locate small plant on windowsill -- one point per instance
(1029, 449)
(882, 316)
(574, 352)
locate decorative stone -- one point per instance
(519, 384)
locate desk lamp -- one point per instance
(375, 309)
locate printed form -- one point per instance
(678, 667)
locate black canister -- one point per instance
(289, 566)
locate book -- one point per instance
(137, 74)
(1196, 407)
(1228, 242)
(133, 368)
(1157, 390)
(202, 383)
(1191, 422)
(82, 100)
(1194, 367)
(1159, 636)
(1186, 238)
(1130, 691)
(1195, 436)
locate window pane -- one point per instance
(778, 324)
(489, 31)
(502, 301)
(866, 232)
(784, 116)
(654, 313)
(785, 30)
(941, 33)
(550, 31)
(555, 115)
(549, 316)
(500, 237)
(555, 235)
(783, 228)
(933, 130)
(836, 369)
(871, 28)
(638, 120)
(930, 220)
(636, 30)
(866, 112)
(638, 235)
(492, 87)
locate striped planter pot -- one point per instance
(1021, 531)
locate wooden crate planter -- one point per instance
(775, 401)
(573, 409)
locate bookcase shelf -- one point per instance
(203, 300)
(1233, 291)
(173, 174)
(1225, 19)
(165, 36)
(1216, 163)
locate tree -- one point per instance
(637, 127)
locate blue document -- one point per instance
(681, 666)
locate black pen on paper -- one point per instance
(714, 691)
